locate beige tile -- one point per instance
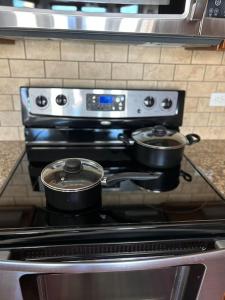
(203, 106)
(10, 118)
(201, 89)
(61, 69)
(141, 84)
(221, 87)
(27, 68)
(93, 70)
(12, 85)
(9, 134)
(216, 119)
(191, 105)
(21, 133)
(16, 102)
(186, 130)
(189, 73)
(6, 102)
(221, 132)
(223, 60)
(176, 85)
(144, 54)
(207, 57)
(42, 49)
(208, 133)
(79, 83)
(215, 73)
(158, 72)
(46, 82)
(175, 55)
(111, 84)
(195, 119)
(111, 52)
(127, 71)
(12, 50)
(4, 67)
(78, 51)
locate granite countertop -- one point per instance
(208, 156)
(10, 153)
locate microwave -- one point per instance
(139, 21)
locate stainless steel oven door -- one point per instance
(182, 17)
(197, 276)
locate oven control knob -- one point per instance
(167, 103)
(149, 101)
(41, 101)
(61, 100)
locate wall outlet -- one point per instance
(217, 99)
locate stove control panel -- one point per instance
(96, 102)
(216, 9)
(101, 103)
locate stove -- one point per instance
(62, 123)
(169, 230)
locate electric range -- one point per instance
(62, 123)
(164, 242)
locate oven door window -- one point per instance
(180, 282)
(104, 6)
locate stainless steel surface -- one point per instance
(38, 19)
(197, 10)
(209, 25)
(214, 276)
(76, 103)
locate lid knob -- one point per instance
(159, 131)
(72, 166)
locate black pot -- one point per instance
(159, 147)
(75, 184)
(168, 181)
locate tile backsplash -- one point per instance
(105, 65)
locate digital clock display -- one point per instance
(106, 99)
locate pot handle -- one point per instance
(193, 138)
(186, 176)
(126, 140)
(138, 176)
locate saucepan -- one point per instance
(158, 146)
(168, 181)
(75, 183)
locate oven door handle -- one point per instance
(197, 10)
(115, 264)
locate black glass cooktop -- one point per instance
(177, 199)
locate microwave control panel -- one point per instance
(216, 9)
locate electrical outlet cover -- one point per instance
(217, 99)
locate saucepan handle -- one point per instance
(137, 176)
(126, 140)
(193, 138)
(186, 176)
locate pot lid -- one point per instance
(159, 137)
(72, 174)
